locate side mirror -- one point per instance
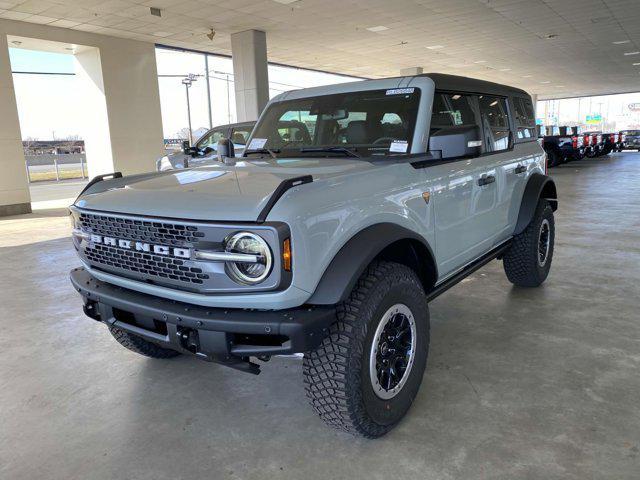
(225, 149)
(456, 142)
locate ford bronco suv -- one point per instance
(327, 238)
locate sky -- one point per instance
(49, 108)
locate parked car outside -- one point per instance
(204, 150)
(631, 140)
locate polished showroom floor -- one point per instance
(536, 384)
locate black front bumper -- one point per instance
(227, 336)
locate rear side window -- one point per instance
(525, 118)
(495, 122)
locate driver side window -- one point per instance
(211, 139)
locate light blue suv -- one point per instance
(353, 206)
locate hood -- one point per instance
(215, 192)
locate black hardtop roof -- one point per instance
(472, 85)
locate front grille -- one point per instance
(145, 264)
(144, 249)
(159, 233)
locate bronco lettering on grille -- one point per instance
(141, 246)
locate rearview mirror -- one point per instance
(456, 142)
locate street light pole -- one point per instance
(187, 83)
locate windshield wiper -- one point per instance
(346, 151)
(263, 151)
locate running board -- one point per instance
(468, 270)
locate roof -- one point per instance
(472, 85)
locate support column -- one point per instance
(14, 186)
(123, 123)
(534, 100)
(410, 71)
(251, 78)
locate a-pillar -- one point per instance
(250, 73)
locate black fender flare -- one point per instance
(538, 186)
(356, 254)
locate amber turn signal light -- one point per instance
(286, 255)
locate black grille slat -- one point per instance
(142, 263)
(136, 262)
(170, 234)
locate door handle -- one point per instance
(486, 180)
(520, 169)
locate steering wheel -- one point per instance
(383, 139)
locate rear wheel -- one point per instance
(140, 345)
(365, 375)
(553, 159)
(528, 260)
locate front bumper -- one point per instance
(228, 336)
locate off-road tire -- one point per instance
(553, 159)
(140, 345)
(521, 261)
(336, 374)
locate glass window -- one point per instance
(495, 122)
(240, 135)
(210, 139)
(451, 110)
(366, 122)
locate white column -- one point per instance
(123, 123)
(534, 100)
(95, 121)
(251, 78)
(14, 187)
(410, 71)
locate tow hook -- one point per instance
(189, 339)
(91, 310)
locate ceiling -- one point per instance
(553, 48)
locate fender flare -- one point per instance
(356, 254)
(539, 186)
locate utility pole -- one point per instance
(206, 78)
(187, 82)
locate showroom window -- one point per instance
(495, 122)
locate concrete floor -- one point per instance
(535, 384)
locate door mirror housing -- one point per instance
(187, 149)
(456, 142)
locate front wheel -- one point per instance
(364, 376)
(140, 345)
(528, 260)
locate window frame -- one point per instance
(475, 104)
(518, 126)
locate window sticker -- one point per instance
(257, 143)
(400, 91)
(399, 146)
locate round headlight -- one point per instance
(249, 273)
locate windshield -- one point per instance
(379, 122)
(632, 133)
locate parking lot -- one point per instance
(522, 383)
